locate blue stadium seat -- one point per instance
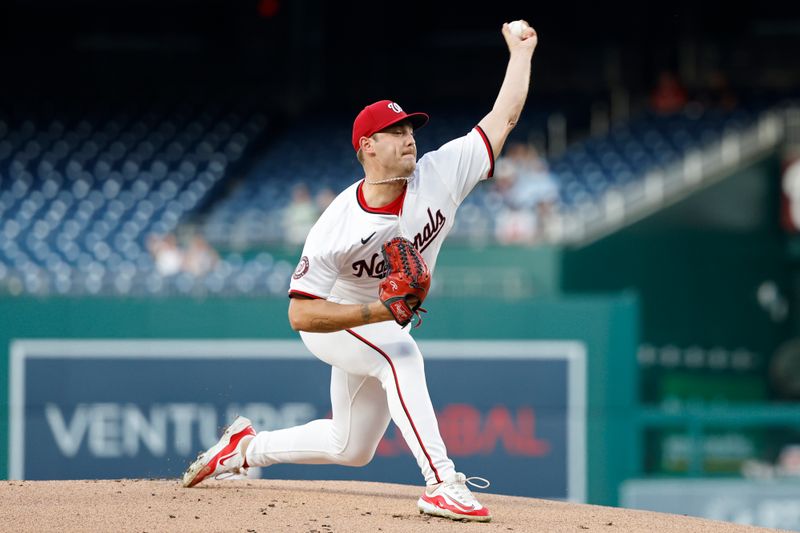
(79, 196)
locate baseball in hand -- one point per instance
(517, 27)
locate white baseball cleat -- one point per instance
(222, 458)
(452, 499)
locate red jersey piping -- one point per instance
(293, 293)
(488, 149)
(392, 208)
(402, 402)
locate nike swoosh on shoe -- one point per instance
(223, 459)
(459, 504)
(442, 503)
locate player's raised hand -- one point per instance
(520, 38)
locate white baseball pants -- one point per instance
(377, 373)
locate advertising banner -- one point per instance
(510, 411)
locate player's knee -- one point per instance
(360, 461)
(357, 457)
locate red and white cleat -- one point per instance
(222, 458)
(452, 499)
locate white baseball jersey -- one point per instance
(377, 369)
(342, 259)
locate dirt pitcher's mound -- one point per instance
(309, 506)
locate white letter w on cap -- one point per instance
(394, 107)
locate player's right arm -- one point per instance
(313, 280)
(322, 316)
(462, 162)
(514, 91)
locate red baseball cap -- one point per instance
(380, 115)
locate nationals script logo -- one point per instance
(377, 268)
(430, 231)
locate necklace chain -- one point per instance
(388, 180)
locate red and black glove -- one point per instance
(406, 280)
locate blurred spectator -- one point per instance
(167, 256)
(505, 176)
(718, 93)
(529, 193)
(669, 95)
(299, 215)
(789, 460)
(324, 198)
(516, 226)
(790, 189)
(535, 184)
(200, 257)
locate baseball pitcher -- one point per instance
(357, 290)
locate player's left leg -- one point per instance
(350, 438)
(388, 353)
(396, 360)
(403, 378)
(360, 418)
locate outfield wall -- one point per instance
(606, 327)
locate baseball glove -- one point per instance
(405, 282)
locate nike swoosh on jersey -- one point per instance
(365, 241)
